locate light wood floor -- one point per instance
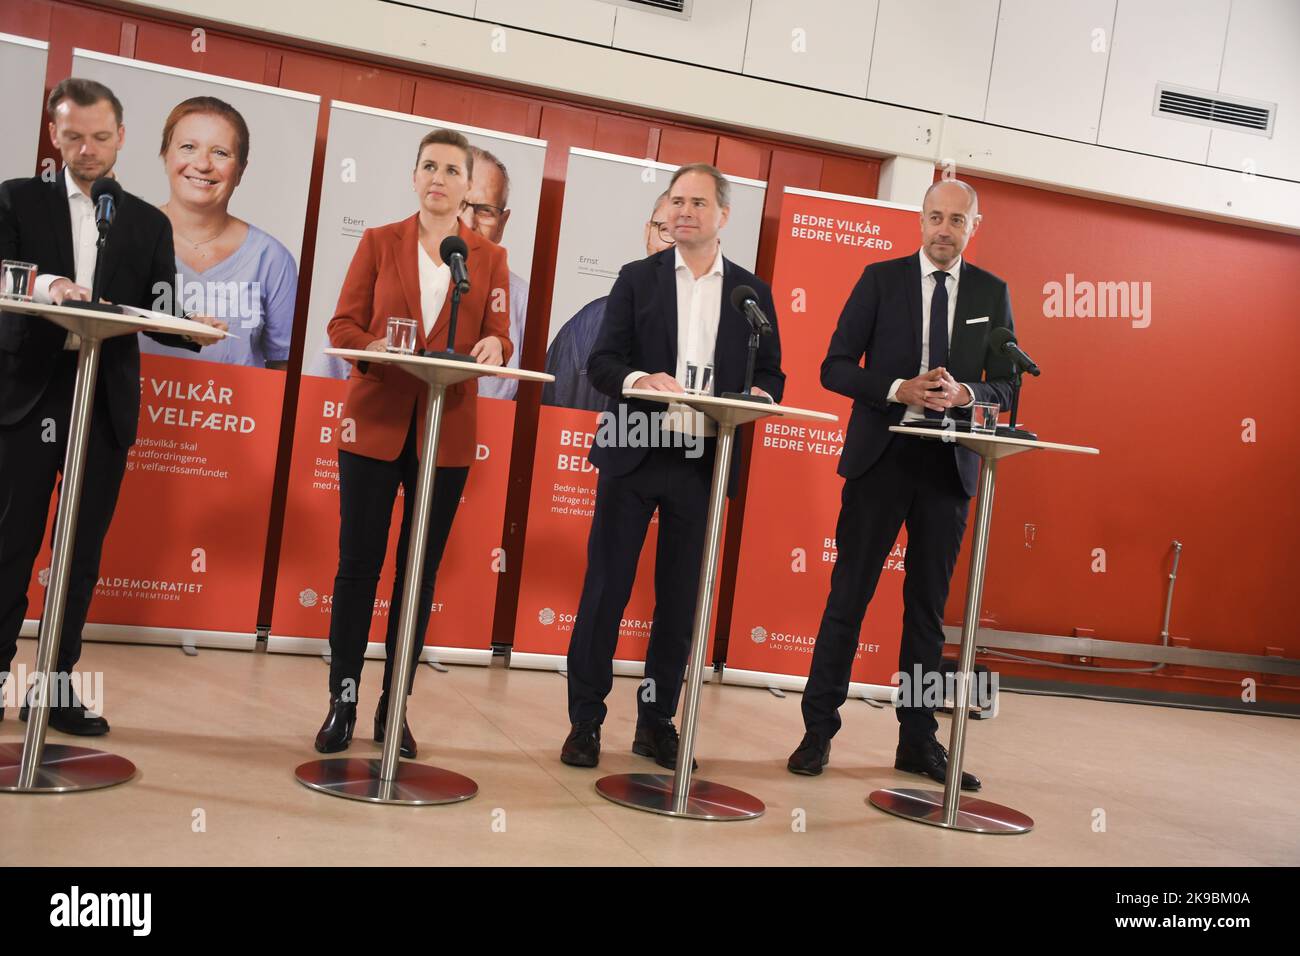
(223, 732)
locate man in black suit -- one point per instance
(52, 224)
(664, 312)
(923, 323)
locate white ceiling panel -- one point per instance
(934, 55)
(823, 44)
(1049, 66)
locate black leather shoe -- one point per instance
(336, 733)
(659, 740)
(812, 754)
(582, 746)
(408, 747)
(929, 757)
(72, 718)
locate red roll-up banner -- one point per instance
(183, 559)
(610, 209)
(369, 157)
(787, 546)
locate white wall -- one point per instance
(1003, 87)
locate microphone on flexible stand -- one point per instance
(106, 194)
(745, 301)
(1002, 341)
(455, 253)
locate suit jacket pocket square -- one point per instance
(983, 318)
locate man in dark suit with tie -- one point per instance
(52, 224)
(665, 312)
(923, 323)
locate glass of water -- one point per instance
(17, 280)
(401, 335)
(699, 378)
(984, 418)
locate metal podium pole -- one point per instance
(58, 768)
(679, 795)
(389, 780)
(950, 809)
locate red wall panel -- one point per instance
(370, 86)
(738, 157)
(624, 136)
(787, 168)
(311, 74)
(474, 106)
(1164, 397)
(509, 114)
(222, 55)
(850, 177)
(26, 18)
(75, 27)
(442, 100)
(681, 146)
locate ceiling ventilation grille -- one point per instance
(1215, 109)
(681, 9)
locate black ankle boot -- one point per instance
(381, 722)
(336, 733)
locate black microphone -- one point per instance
(745, 301)
(106, 194)
(1003, 340)
(454, 252)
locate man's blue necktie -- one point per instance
(938, 328)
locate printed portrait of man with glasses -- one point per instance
(487, 210)
(566, 358)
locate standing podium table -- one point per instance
(950, 809)
(679, 795)
(36, 767)
(391, 780)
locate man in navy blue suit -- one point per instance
(923, 323)
(664, 311)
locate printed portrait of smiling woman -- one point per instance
(226, 267)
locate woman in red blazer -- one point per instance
(397, 272)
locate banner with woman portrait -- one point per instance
(614, 212)
(22, 78)
(787, 545)
(229, 164)
(369, 159)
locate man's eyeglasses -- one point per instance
(485, 212)
(664, 232)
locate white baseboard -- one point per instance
(318, 647)
(558, 662)
(730, 675)
(165, 636)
